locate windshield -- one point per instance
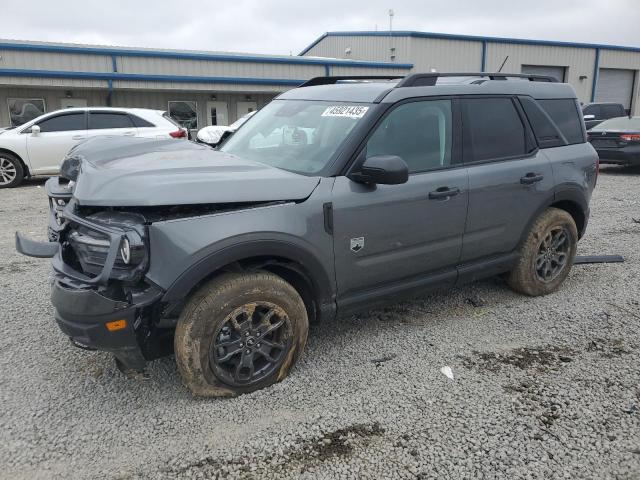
(297, 135)
(620, 123)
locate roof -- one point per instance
(368, 92)
(50, 47)
(477, 38)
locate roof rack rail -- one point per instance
(430, 79)
(335, 79)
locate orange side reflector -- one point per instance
(116, 325)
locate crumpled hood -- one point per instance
(120, 171)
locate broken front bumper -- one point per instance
(82, 311)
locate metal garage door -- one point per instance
(549, 70)
(615, 85)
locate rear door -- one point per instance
(393, 235)
(509, 178)
(111, 123)
(58, 133)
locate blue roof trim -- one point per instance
(111, 76)
(124, 52)
(477, 38)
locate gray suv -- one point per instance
(337, 196)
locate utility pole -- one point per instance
(392, 49)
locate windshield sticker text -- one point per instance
(351, 111)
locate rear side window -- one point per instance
(418, 132)
(564, 113)
(612, 111)
(140, 122)
(493, 129)
(64, 123)
(543, 127)
(105, 120)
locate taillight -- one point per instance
(179, 133)
(630, 137)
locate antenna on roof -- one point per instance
(505, 61)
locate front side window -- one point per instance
(593, 110)
(564, 113)
(100, 120)
(185, 113)
(418, 132)
(493, 129)
(23, 110)
(297, 135)
(64, 123)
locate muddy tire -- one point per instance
(239, 333)
(547, 254)
(11, 170)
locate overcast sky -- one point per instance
(287, 26)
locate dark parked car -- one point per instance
(337, 196)
(594, 113)
(617, 140)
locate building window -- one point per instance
(23, 110)
(184, 112)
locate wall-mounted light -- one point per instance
(213, 97)
(347, 51)
(247, 98)
(68, 94)
(582, 77)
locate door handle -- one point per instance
(531, 178)
(78, 137)
(443, 192)
(129, 134)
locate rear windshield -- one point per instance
(297, 135)
(621, 123)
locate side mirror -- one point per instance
(589, 117)
(382, 169)
(35, 130)
(210, 135)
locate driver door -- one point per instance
(58, 134)
(389, 238)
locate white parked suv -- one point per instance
(38, 146)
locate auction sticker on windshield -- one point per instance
(351, 111)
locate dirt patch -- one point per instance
(336, 443)
(299, 457)
(540, 358)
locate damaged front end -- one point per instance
(102, 300)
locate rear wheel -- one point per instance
(547, 254)
(240, 333)
(11, 171)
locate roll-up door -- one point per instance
(615, 85)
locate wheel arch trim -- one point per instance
(321, 279)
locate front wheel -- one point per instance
(239, 333)
(547, 254)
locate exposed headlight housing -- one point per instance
(89, 248)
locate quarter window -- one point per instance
(493, 129)
(64, 123)
(98, 121)
(418, 132)
(564, 113)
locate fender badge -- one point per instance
(357, 244)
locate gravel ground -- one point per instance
(543, 387)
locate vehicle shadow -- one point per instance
(619, 170)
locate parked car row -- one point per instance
(38, 146)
